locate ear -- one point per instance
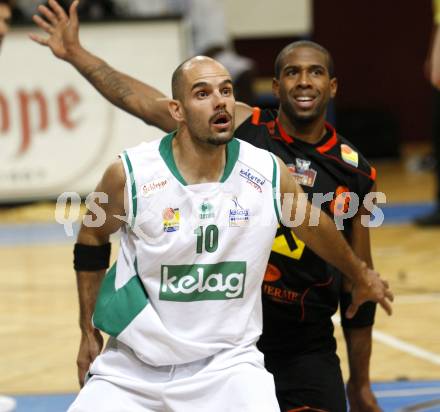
(333, 87)
(176, 110)
(276, 87)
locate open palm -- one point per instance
(61, 28)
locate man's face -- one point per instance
(208, 102)
(5, 20)
(304, 87)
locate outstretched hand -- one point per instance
(63, 29)
(373, 289)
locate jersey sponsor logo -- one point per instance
(349, 155)
(171, 219)
(206, 210)
(302, 172)
(281, 295)
(255, 181)
(286, 243)
(238, 216)
(341, 201)
(156, 185)
(272, 273)
(189, 283)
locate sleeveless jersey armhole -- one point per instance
(131, 189)
(276, 188)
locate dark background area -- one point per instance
(379, 48)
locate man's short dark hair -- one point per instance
(279, 61)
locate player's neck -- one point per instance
(198, 163)
(311, 132)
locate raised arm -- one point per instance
(131, 95)
(125, 92)
(329, 244)
(90, 251)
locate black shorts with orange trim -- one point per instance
(308, 382)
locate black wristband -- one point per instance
(364, 315)
(91, 258)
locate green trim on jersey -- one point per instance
(133, 188)
(166, 151)
(274, 189)
(232, 152)
(115, 309)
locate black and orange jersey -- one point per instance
(300, 288)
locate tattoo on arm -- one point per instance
(108, 81)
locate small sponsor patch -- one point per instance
(257, 182)
(349, 155)
(238, 215)
(156, 185)
(272, 273)
(302, 173)
(171, 219)
(206, 210)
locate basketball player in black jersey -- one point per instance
(301, 291)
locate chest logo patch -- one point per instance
(170, 219)
(349, 155)
(156, 185)
(302, 172)
(257, 182)
(238, 215)
(206, 210)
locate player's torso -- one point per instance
(200, 253)
(299, 286)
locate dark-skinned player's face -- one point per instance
(209, 102)
(304, 87)
(5, 21)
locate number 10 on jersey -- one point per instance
(207, 238)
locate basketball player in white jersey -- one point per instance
(182, 304)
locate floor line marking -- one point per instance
(399, 344)
(391, 393)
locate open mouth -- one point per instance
(221, 120)
(305, 102)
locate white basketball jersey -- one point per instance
(187, 281)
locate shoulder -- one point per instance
(258, 127)
(255, 158)
(143, 147)
(350, 156)
(114, 178)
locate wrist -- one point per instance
(87, 329)
(356, 270)
(74, 54)
(359, 381)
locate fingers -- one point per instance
(48, 14)
(83, 365)
(351, 310)
(389, 295)
(386, 306)
(42, 24)
(60, 13)
(73, 13)
(38, 39)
